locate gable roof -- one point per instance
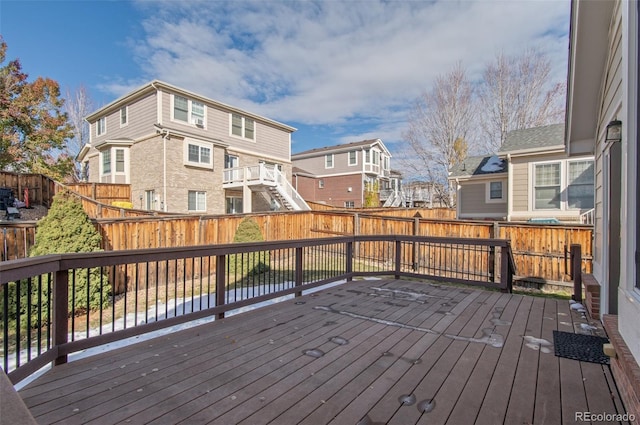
(535, 139)
(479, 166)
(341, 148)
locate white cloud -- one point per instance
(328, 63)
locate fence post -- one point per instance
(60, 312)
(576, 271)
(220, 282)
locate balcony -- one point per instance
(366, 330)
(267, 178)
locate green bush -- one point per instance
(65, 229)
(249, 264)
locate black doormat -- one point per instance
(586, 348)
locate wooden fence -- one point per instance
(104, 193)
(41, 188)
(540, 251)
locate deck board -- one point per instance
(395, 338)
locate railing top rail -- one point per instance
(26, 267)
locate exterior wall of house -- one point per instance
(160, 187)
(337, 191)
(316, 165)
(624, 36)
(473, 202)
(269, 141)
(147, 160)
(141, 115)
(522, 187)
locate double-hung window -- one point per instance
(124, 116)
(580, 184)
(328, 160)
(197, 200)
(197, 113)
(547, 181)
(119, 160)
(188, 111)
(243, 127)
(180, 108)
(101, 126)
(353, 157)
(106, 161)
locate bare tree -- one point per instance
(439, 127)
(517, 93)
(78, 106)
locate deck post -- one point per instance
(60, 312)
(299, 272)
(576, 271)
(220, 282)
(506, 270)
(398, 258)
(349, 261)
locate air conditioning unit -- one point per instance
(199, 122)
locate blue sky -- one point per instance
(338, 70)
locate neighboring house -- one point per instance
(602, 119)
(184, 153)
(531, 178)
(347, 176)
(480, 184)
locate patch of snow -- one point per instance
(176, 308)
(493, 164)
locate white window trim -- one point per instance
(98, 133)
(333, 161)
(189, 121)
(321, 184)
(564, 184)
(201, 209)
(349, 204)
(114, 160)
(126, 111)
(351, 164)
(185, 148)
(487, 195)
(255, 128)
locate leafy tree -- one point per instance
(65, 229)
(33, 128)
(253, 263)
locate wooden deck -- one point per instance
(367, 352)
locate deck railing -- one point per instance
(56, 305)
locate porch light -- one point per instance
(614, 131)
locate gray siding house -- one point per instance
(342, 175)
(603, 116)
(530, 178)
(182, 152)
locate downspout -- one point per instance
(165, 136)
(509, 187)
